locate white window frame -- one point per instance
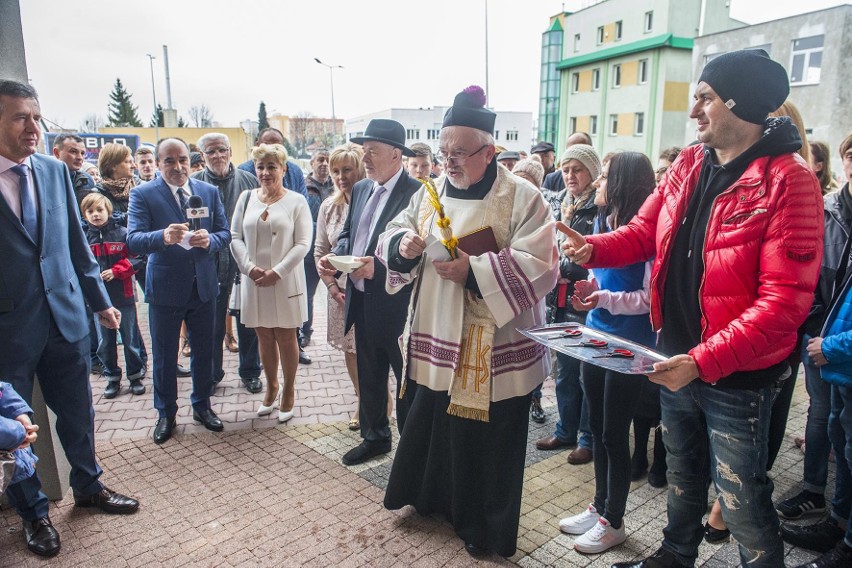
(600, 35)
(807, 53)
(649, 21)
(619, 30)
(576, 42)
(642, 72)
(593, 125)
(613, 125)
(572, 124)
(616, 76)
(639, 124)
(575, 82)
(596, 79)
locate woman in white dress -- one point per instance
(346, 169)
(270, 235)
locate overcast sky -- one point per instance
(231, 55)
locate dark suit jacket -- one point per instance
(390, 309)
(172, 269)
(59, 274)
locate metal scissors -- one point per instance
(617, 353)
(567, 332)
(595, 343)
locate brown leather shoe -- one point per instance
(552, 443)
(580, 456)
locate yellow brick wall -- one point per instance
(629, 73)
(585, 82)
(676, 96)
(625, 124)
(241, 142)
(609, 33)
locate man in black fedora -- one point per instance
(378, 317)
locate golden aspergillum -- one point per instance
(443, 222)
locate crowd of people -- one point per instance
(729, 257)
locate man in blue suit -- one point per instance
(48, 275)
(180, 283)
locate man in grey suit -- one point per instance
(378, 316)
(48, 276)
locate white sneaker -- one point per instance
(600, 537)
(579, 524)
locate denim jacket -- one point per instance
(12, 433)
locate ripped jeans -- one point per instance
(730, 427)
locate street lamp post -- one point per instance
(154, 93)
(331, 69)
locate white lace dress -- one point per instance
(330, 221)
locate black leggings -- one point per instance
(613, 398)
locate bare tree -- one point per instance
(300, 130)
(201, 116)
(92, 123)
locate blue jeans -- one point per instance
(571, 404)
(94, 336)
(131, 338)
(730, 427)
(840, 431)
(817, 444)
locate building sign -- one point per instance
(94, 142)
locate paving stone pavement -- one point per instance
(263, 494)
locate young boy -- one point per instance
(420, 165)
(108, 241)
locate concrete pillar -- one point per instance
(13, 64)
(52, 466)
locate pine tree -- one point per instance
(262, 121)
(122, 112)
(157, 118)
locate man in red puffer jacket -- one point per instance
(735, 230)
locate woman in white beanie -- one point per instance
(580, 166)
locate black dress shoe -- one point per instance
(821, 536)
(209, 419)
(253, 385)
(305, 340)
(109, 502)
(660, 559)
(136, 387)
(712, 535)
(112, 389)
(838, 557)
(303, 358)
(657, 478)
(163, 429)
(41, 537)
(365, 451)
(183, 371)
(476, 551)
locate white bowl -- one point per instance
(345, 264)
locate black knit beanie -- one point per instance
(750, 83)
